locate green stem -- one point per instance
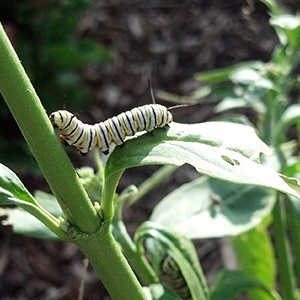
(98, 245)
(294, 226)
(46, 218)
(153, 181)
(29, 113)
(105, 256)
(108, 194)
(283, 253)
(137, 260)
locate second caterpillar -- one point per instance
(114, 130)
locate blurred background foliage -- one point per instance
(43, 34)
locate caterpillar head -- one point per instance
(61, 118)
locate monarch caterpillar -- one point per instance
(114, 130)
(173, 278)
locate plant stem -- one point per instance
(283, 253)
(105, 256)
(108, 194)
(294, 226)
(98, 245)
(29, 113)
(137, 260)
(153, 181)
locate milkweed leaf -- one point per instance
(161, 242)
(12, 191)
(209, 147)
(230, 284)
(207, 207)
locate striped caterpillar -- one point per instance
(114, 130)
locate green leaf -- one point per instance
(290, 116)
(288, 29)
(26, 224)
(234, 102)
(256, 258)
(292, 182)
(49, 202)
(207, 208)
(12, 191)
(251, 76)
(180, 249)
(217, 91)
(225, 73)
(249, 81)
(273, 6)
(218, 149)
(230, 284)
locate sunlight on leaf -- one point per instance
(288, 29)
(224, 74)
(251, 76)
(290, 116)
(203, 146)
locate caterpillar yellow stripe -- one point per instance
(114, 130)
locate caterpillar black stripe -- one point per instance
(173, 278)
(114, 130)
